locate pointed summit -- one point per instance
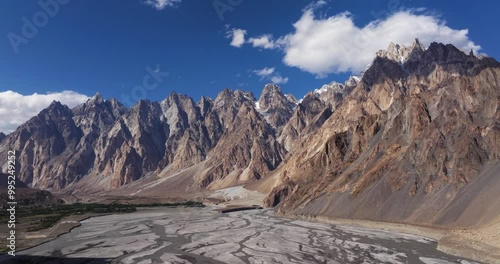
(418, 44)
(97, 98)
(393, 48)
(291, 98)
(56, 110)
(271, 95)
(275, 106)
(205, 104)
(270, 87)
(244, 95)
(55, 104)
(401, 53)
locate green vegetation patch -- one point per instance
(42, 217)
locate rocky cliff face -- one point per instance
(105, 145)
(45, 145)
(333, 93)
(248, 150)
(310, 114)
(276, 107)
(94, 118)
(419, 130)
(133, 146)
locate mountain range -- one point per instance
(415, 138)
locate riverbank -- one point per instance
(200, 235)
(41, 224)
(35, 238)
(481, 244)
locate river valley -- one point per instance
(194, 235)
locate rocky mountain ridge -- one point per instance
(417, 140)
(420, 126)
(115, 146)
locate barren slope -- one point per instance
(418, 142)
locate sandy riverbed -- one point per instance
(200, 235)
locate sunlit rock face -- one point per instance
(413, 137)
(276, 107)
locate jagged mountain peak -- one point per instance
(399, 62)
(276, 107)
(175, 97)
(244, 95)
(204, 99)
(97, 97)
(56, 105)
(417, 44)
(311, 103)
(271, 87)
(440, 52)
(224, 93)
(96, 114)
(142, 105)
(401, 53)
(352, 81)
(333, 86)
(55, 110)
(336, 87)
(117, 106)
(181, 102)
(142, 113)
(333, 93)
(229, 97)
(93, 102)
(291, 98)
(272, 96)
(205, 104)
(418, 58)
(98, 104)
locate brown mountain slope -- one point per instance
(418, 142)
(25, 195)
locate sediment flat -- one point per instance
(200, 235)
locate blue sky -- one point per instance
(105, 45)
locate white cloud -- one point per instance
(315, 5)
(278, 79)
(161, 4)
(264, 41)
(238, 37)
(324, 45)
(269, 73)
(15, 108)
(264, 72)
